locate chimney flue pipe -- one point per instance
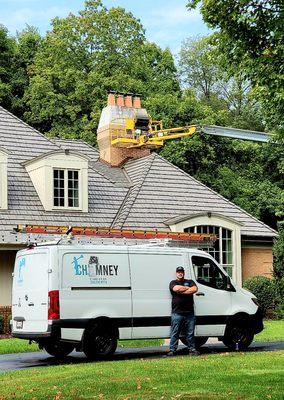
(120, 100)
(111, 99)
(128, 100)
(136, 101)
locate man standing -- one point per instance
(182, 291)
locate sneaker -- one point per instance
(171, 353)
(193, 352)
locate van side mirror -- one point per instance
(229, 285)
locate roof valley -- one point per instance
(132, 194)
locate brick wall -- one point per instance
(256, 261)
(6, 311)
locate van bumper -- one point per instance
(256, 321)
(52, 332)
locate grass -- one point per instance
(273, 332)
(9, 346)
(237, 376)
(12, 345)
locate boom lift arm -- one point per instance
(153, 136)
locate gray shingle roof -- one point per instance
(144, 194)
(167, 192)
(24, 206)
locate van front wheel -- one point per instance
(238, 337)
(58, 349)
(99, 342)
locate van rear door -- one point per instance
(30, 291)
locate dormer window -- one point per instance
(66, 188)
(61, 180)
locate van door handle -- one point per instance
(30, 304)
(200, 294)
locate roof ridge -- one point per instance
(29, 126)
(217, 194)
(137, 188)
(78, 140)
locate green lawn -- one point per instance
(274, 331)
(234, 376)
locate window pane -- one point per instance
(58, 191)
(208, 273)
(73, 188)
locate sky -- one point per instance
(167, 22)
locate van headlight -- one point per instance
(254, 299)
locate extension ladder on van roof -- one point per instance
(153, 237)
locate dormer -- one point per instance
(61, 180)
(3, 180)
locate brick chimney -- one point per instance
(119, 108)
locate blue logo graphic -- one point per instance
(22, 264)
(80, 269)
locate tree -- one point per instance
(7, 53)
(84, 56)
(198, 66)
(17, 55)
(204, 69)
(252, 38)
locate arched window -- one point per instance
(222, 250)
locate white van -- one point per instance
(86, 297)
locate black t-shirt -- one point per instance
(182, 303)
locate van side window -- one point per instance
(207, 273)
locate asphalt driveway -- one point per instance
(17, 361)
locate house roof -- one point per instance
(144, 194)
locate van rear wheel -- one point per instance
(238, 337)
(99, 342)
(58, 349)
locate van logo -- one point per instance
(93, 265)
(22, 264)
(97, 272)
(79, 269)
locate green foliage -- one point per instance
(84, 56)
(278, 272)
(16, 59)
(1, 324)
(240, 171)
(251, 36)
(263, 289)
(7, 52)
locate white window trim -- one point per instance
(218, 220)
(3, 180)
(66, 207)
(41, 170)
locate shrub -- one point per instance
(1, 324)
(278, 272)
(9, 326)
(264, 290)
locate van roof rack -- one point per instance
(96, 235)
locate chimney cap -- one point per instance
(112, 91)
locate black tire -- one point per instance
(199, 341)
(58, 349)
(238, 337)
(99, 342)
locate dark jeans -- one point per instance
(179, 321)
